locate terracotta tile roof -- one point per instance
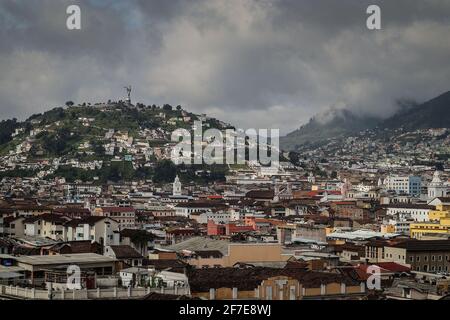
(174, 265)
(125, 252)
(48, 217)
(260, 194)
(161, 296)
(429, 245)
(91, 220)
(83, 246)
(118, 209)
(201, 280)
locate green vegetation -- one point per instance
(7, 127)
(165, 171)
(20, 173)
(78, 132)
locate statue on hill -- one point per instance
(128, 88)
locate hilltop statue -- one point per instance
(128, 94)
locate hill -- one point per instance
(333, 123)
(105, 141)
(341, 124)
(429, 115)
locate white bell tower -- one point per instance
(176, 191)
(436, 188)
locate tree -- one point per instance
(294, 157)
(165, 171)
(179, 107)
(69, 103)
(7, 128)
(167, 107)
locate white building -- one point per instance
(401, 227)
(406, 211)
(404, 184)
(436, 188)
(218, 217)
(185, 209)
(176, 187)
(99, 229)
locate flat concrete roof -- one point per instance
(78, 258)
(198, 244)
(11, 269)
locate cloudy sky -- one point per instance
(254, 63)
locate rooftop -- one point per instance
(77, 258)
(425, 245)
(199, 244)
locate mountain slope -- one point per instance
(333, 123)
(343, 123)
(431, 114)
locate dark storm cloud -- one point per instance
(252, 62)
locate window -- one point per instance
(418, 259)
(425, 258)
(433, 258)
(440, 258)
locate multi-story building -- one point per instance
(103, 230)
(351, 212)
(46, 226)
(438, 223)
(425, 256)
(406, 211)
(185, 209)
(397, 226)
(125, 216)
(215, 216)
(411, 185)
(310, 232)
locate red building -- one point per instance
(226, 229)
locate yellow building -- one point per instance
(387, 228)
(441, 212)
(439, 223)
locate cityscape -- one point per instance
(110, 190)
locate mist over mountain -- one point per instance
(332, 123)
(434, 113)
(341, 123)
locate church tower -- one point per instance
(176, 191)
(345, 188)
(436, 188)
